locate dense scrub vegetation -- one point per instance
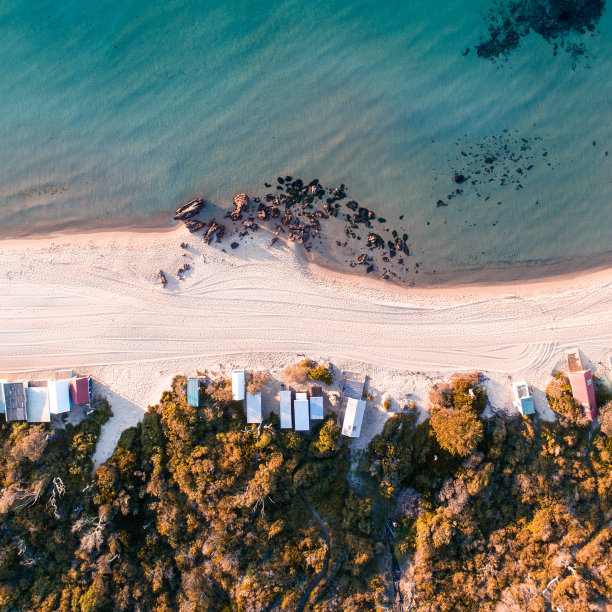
(490, 529)
(196, 510)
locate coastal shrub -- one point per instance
(298, 372)
(605, 418)
(321, 373)
(256, 381)
(220, 390)
(457, 431)
(386, 403)
(560, 399)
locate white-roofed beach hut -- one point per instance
(37, 406)
(300, 410)
(286, 421)
(59, 396)
(353, 417)
(253, 408)
(238, 385)
(302, 396)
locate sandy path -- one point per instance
(92, 303)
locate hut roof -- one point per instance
(193, 392)
(253, 408)
(238, 384)
(353, 417)
(80, 390)
(302, 420)
(14, 401)
(37, 407)
(316, 408)
(285, 409)
(59, 396)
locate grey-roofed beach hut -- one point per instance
(37, 405)
(238, 377)
(285, 409)
(14, 397)
(193, 392)
(253, 408)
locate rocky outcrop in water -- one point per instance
(189, 210)
(509, 20)
(241, 202)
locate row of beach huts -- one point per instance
(581, 381)
(298, 410)
(37, 401)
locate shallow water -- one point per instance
(114, 112)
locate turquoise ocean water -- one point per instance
(113, 113)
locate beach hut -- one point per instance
(285, 409)
(316, 403)
(253, 408)
(301, 397)
(193, 392)
(300, 411)
(14, 399)
(353, 417)
(581, 381)
(37, 404)
(238, 377)
(59, 396)
(316, 408)
(80, 390)
(523, 402)
(1, 397)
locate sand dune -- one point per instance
(92, 303)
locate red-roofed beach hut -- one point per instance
(581, 380)
(80, 390)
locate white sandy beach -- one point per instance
(92, 303)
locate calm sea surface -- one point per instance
(115, 112)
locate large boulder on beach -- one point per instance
(194, 225)
(161, 278)
(189, 210)
(241, 201)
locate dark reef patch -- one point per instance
(509, 20)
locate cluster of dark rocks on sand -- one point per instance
(509, 20)
(297, 211)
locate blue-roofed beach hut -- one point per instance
(193, 392)
(522, 400)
